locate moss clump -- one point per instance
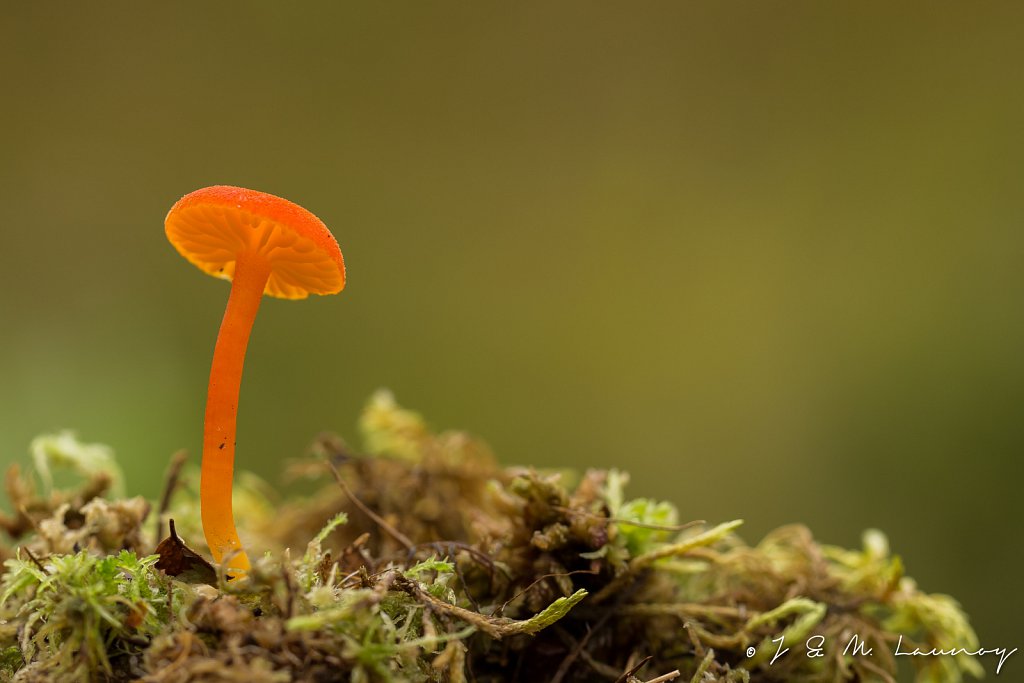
(426, 561)
(80, 611)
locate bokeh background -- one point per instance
(767, 256)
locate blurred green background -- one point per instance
(766, 256)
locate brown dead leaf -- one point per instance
(183, 563)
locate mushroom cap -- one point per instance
(212, 226)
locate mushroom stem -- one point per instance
(252, 271)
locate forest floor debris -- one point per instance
(421, 559)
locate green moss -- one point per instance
(78, 611)
(431, 561)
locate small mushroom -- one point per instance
(264, 245)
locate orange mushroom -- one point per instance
(264, 245)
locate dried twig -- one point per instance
(630, 522)
(380, 521)
(641, 562)
(35, 560)
(626, 675)
(543, 578)
(170, 484)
